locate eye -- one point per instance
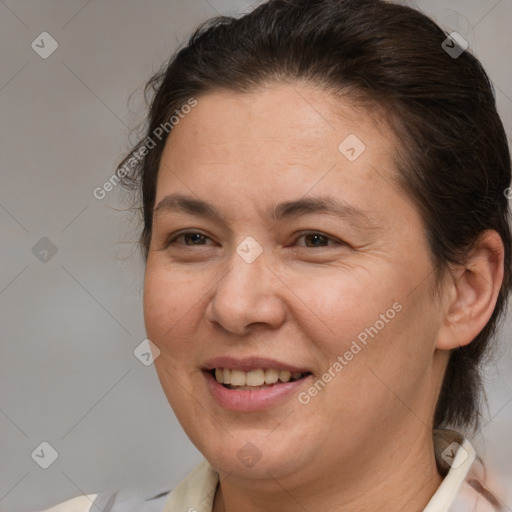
(317, 239)
(194, 237)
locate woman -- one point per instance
(327, 257)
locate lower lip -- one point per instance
(247, 400)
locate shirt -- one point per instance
(463, 488)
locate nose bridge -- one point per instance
(247, 268)
(246, 293)
(248, 277)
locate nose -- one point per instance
(248, 294)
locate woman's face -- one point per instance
(305, 257)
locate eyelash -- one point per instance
(309, 233)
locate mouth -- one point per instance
(253, 384)
(261, 378)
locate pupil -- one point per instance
(317, 238)
(194, 237)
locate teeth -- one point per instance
(254, 378)
(271, 376)
(284, 375)
(237, 378)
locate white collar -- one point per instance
(464, 456)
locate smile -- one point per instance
(254, 379)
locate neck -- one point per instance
(400, 476)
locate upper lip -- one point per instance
(251, 363)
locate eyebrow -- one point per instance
(276, 212)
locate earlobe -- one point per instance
(473, 292)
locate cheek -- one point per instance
(172, 302)
(373, 323)
(343, 305)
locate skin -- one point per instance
(364, 442)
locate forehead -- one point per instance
(296, 116)
(275, 139)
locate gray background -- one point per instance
(69, 325)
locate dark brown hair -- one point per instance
(453, 158)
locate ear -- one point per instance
(472, 292)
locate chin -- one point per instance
(256, 459)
